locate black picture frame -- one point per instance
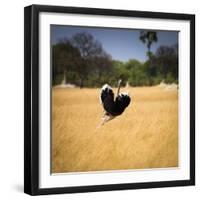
(31, 99)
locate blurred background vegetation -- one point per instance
(82, 61)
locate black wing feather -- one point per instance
(107, 98)
(111, 106)
(121, 102)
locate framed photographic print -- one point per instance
(109, 99)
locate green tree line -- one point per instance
(83, 62)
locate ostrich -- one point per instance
(113, 107)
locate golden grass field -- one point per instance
(144, 136)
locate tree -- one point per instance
(64, 56)
(166, 58)
(89, 48)
(136, 73)
(148, 37)
(102, 67)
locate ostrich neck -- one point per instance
(118, 90)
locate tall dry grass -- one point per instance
(144, 136)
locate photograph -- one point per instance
(114, 99)
(109, 99)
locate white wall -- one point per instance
(11, 98)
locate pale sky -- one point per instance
(121, 44)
